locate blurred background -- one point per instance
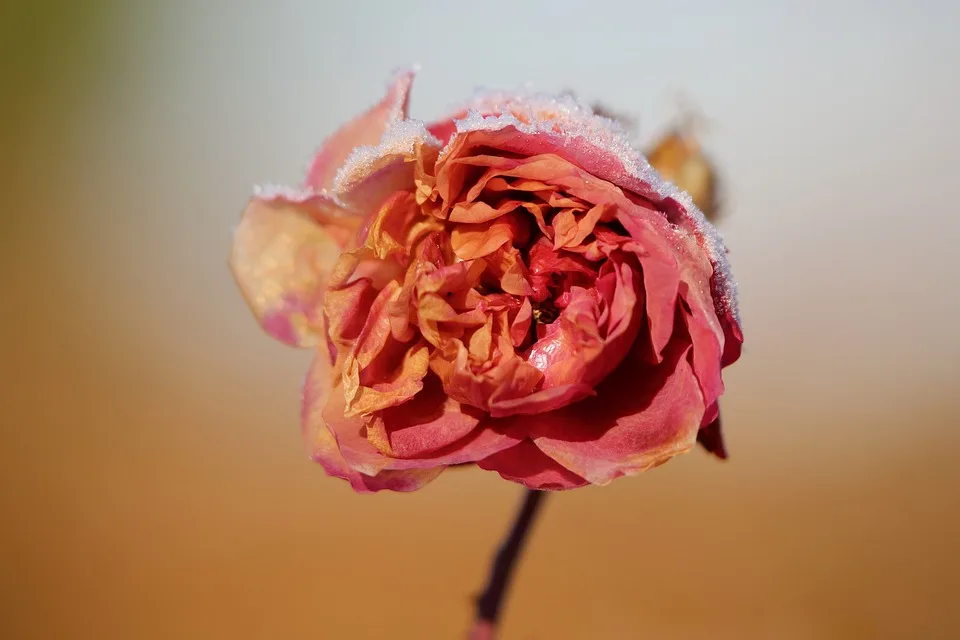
(153, 483)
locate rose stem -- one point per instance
(489, 602)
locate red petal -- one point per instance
(641, 416)
(526, 464)
(427, 423)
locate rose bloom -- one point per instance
(512, 287)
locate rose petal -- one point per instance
(641, 416)
(707, 336)
(359, 454)
(380, 372)
(324, 449)
(283, 250)
(548, 399)
(372, 173)
(526, 464)
(427, 423)
(365, 129)
(471, 241)
(520, 326)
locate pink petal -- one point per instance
(353, 453)
(527, 465)
(704, 328)
(365, 129)
(641, 416)
(427, 423)
(548, 399)
(283, 251)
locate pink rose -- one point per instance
(512, 286)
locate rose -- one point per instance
(512, 286)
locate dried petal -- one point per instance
(283, 251)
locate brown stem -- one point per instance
(490, 601)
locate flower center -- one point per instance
(545, 312)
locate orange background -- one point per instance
(153, 483)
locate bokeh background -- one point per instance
(153, 483)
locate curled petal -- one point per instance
(283, 252)
(504, 377)
(366, 129)
(506, 264)
(324, 449)
(571, 344)
(526, 464)
(570, 231)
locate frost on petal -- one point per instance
(642, 416)
(527, 465)
(364, 130)
(283, 250)
(372, 173)
(324, 448)
(537, 124)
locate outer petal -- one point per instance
(365, 129)
(642, 416)
(325, 450)
(526, 464)
(283, 250)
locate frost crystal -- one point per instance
(569, 122)
(399, 139)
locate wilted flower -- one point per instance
(510, 286)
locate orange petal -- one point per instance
(507, 265)
(571, 231)
(477, 240)
(379, 371)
